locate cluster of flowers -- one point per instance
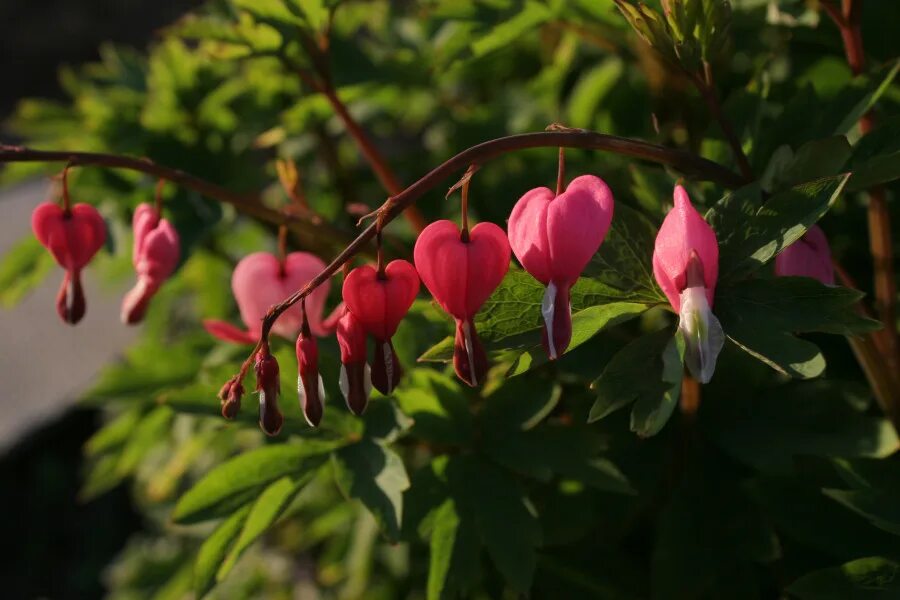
(553, 236)
(73, 235)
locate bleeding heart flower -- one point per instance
(261, 280)
(810, 256)
(155, 256)
(554, 237)
(380, 302)
(268, 385)
(356, 377)
(73, 238)
(310, 388)
(461, 272)
(686, 267)
(230, 395)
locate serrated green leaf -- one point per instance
(635, 372)
(876, 158)
(438, 406)
(214, 550)
(814, 160)
(454, 553)
(240, 479)
(375, 475)
(650, 414)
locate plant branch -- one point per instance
(707, 88)
(847, 19)
(319, 237)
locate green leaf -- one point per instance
(634, 373)
(214, 550)
(870, 95)
(879, 508)
(782, 351)
(240, 479)
(151, 430)
(377, 477)
(520, 403)
(750, 232)
(502, 35)
(454, 553)
(114, 433)
(438, 406)
(623, 264)
(814, 160)
(23, 268)
(590, 90)
(871, 578)
(267, 508)
(650, 414)
(876, 158)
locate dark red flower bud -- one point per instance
(310, 388)
(268, 385)
(230, 395)
(73, 237)
(356, 377)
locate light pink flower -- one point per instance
(155, 256)
(810, 256)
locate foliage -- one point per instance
(537, 482)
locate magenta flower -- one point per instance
(379, 302)
(554, 237)
(259, 281)
(310, 388)
(810, 256)
(356, 378)
(686, 267)
(268, 386)
(461, 272)
(155, 256)
(73, 237)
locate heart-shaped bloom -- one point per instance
(155, 256)
(310, 388)
(259, 281)
(356, 377)
(379, 302)
(810, 256)
(554, 237)
(73, 237)
(461, 272)
(268, 386)
(686, 267)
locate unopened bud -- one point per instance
(268, 385)
(230, 395)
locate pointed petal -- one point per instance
(703, 334)
(227, 332)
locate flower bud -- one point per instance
(310, 388)
(155, 256)
(356, 377)
(810, 256)
(230, 395)
(268, 385)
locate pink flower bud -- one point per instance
(73, 238)
(268, 385)
(310, 388)
(356, 377)
(380, 303)
(810, 256)
(461, 274)
(260, 281)
(686, 267)
(155, 256)
(554, 237)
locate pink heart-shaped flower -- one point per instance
(461, 275)
(810, 256)
(73, 238)
(260, 281)
(554, 237)
(155, 256)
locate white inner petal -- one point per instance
(548, 306)
(467, 340)
(344, 382)
(703, 334)
(367, 380)
(301, 391)
(321, 389)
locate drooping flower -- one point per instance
(379, 302)
(261, 280)
(686, 267)
(268, 385)
(310, 388)
(554, 237)
(73, 237)
(155, 256)
(356, 377)
(810, 256)
(461, 272)
(230, 395)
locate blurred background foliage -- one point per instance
(782, 486)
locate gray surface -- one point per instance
(44, 363)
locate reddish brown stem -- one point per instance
(690, 396)
(157, 197)
(320, 237)
(561, 172)
(464, 234)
